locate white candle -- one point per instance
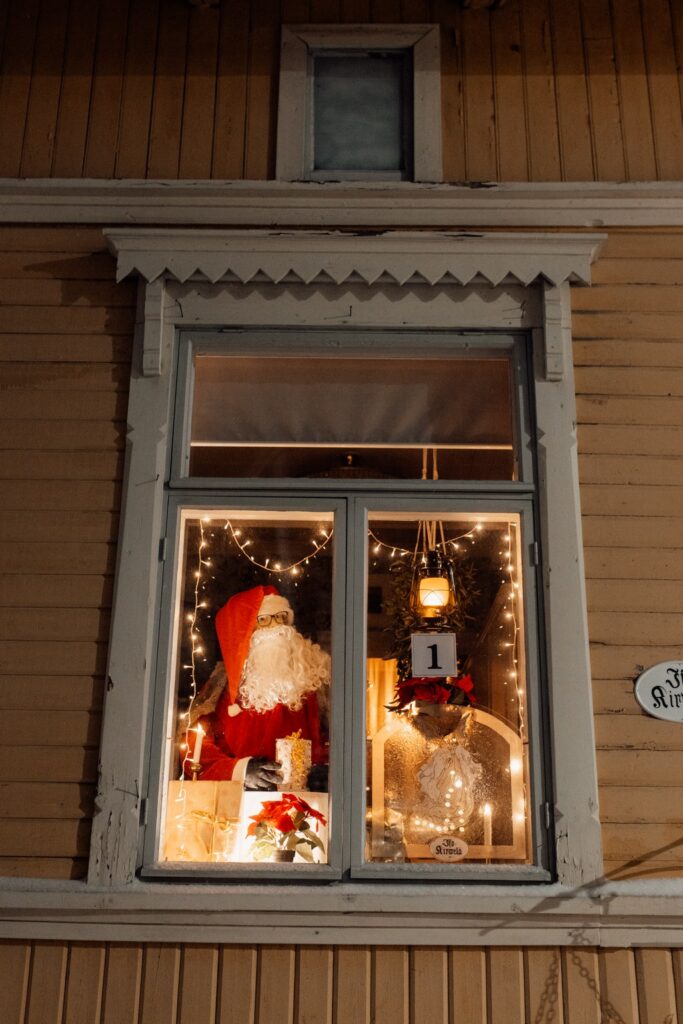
(488, 828)
(198, 745)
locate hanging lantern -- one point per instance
(433, 590)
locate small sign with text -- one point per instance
(659, 691)
(448, 848)
(433, 654)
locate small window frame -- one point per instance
(294, 161)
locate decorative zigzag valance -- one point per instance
(346, 257)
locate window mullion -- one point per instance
(356, 642)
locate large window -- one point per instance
(348, 676)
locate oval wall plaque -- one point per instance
(448, 848)
(659, 691)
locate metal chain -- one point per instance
(550, 994)
(607, 1010)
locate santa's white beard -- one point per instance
(282, 667)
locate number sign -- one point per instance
(433, 654)
(659, 691)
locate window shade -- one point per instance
(278, 400)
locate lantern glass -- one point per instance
(434, 592)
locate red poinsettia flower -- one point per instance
(432, 691)
(466, 684)
(280, 814)
(301, 805)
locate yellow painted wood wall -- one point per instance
(53, 983)
(539, 90)
(65, 337)
(628, 351)
(65, 346)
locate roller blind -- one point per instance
(282, 400)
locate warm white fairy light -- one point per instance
(196, 651)
(277, 568)
(380, 545)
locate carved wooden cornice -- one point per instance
(346, 257)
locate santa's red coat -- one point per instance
(231, 737)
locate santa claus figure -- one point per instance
(270, 685)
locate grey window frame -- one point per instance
(349, 589)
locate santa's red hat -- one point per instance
(235, 623)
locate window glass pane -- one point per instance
(446, 693)
(348, 417)
(248, 734)
(359, 109)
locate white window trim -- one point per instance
(236, 290)
(307, 279)
(293, 122)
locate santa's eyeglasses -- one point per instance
(279, 618)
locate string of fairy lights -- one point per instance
(452, 542)
(208, 527)
(510, 613)
(281, 568)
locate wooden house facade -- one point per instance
(560, 118)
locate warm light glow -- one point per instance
(198, 744)
(515, 765)
(434, 592)
(487, 811)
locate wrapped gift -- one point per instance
(294, 756)
(202, 820)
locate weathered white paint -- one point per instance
(557, 329)
(577, 827)
(625, 914)
(576, 820)
(396, 258)
(293, 127)
(320, 205)
(116, 822)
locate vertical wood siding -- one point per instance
(65, 340)
(54, 983)
(540, 90)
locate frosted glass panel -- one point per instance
(292, 400)
(359, 112)
(349, 417)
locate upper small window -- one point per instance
(359, 103)
(362, 114)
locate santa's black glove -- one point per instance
(317, 778)
(262, 774)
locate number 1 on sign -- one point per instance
(434, 648)
(433, 654)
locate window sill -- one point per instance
(607, 914)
